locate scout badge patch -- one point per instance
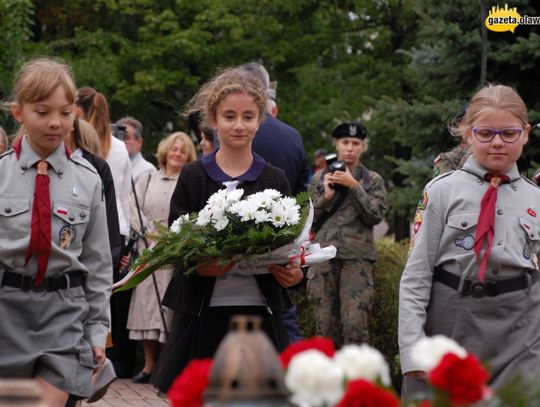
(422, 205)
(466, 243)
(66, 236)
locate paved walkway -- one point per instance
(125, 393)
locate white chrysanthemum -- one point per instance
(218, 200)
(277, 214)
(264, 199)
(428, 352)
(204, 216)
(177, 224)
(314, 379)
(261, 216)
(244, 209)
(363, 362)
(234, 196)
(220, 222)
(291, 211)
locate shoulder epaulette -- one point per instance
(82, 162)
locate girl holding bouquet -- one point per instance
(472, 274)
(234, 103)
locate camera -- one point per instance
(119, 131)
(333, 165)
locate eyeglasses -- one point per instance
(487, 134)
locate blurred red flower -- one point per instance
(361, 393)
(464, 380)
(188, 388)
(319, 343)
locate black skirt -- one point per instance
(199, 337)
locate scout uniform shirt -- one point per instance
(503, 330)
(79, 237)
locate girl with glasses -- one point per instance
(472, 274)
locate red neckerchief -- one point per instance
(485, 227)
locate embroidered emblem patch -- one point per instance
(422, 205)
(66, 236)
(466, 243)
(528, 249)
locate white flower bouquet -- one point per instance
(263, 228)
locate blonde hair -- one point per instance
(166, 144)
(487, 99)
(96, 112)
(226, 82)
(84, 136)
(39, 78)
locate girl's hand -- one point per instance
(99, 357)
(213, 269)
(286, 276)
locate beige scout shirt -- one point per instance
(77, 202)
(446, 223)
(350, 228)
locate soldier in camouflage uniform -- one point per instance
(348, 203)
(455, 158)
(451, 160)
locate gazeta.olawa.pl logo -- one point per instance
(507, 19)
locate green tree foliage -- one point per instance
(405, 67)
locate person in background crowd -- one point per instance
(4, 141)
(83, 141)
(455, 158)
(207, 143)
(55, 264)
(92, 106)
(472, 274)
(154, 191)
(134, 142)
(319, 163)
(349, 200)
(234, 103)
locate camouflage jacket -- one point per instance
(350, 228)
(451, 160)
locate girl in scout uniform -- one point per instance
(55, 263)
(472, 274)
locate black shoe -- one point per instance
(141, 377)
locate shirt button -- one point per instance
(500, 212)
(464, 224)
(500, 242)
(7, 210)
(24, 167)
(71, 218)
(82, 215)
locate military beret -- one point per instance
(351, 129)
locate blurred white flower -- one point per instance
(428, 352)
(314, 379)
(177, 224)
(363, 362)
(218, 200)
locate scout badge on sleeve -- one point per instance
(66, 236)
